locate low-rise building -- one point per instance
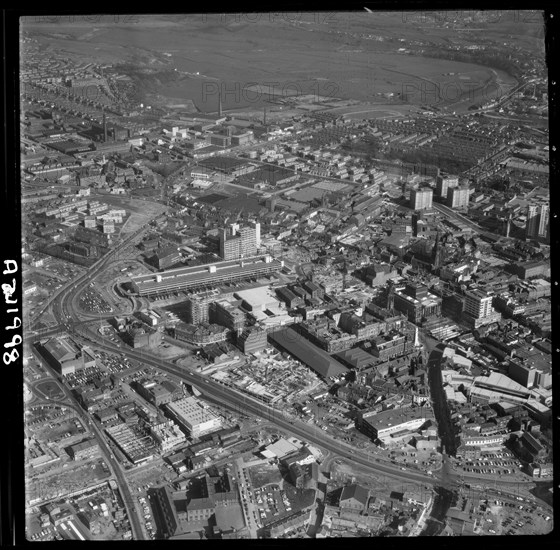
(83, 450)
(193, 416)
(389, 425)
(158, 393)
(354, 497)
(167, 435)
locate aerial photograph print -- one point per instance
(286, 275)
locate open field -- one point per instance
(348, 55)
(140, 211)
(49, 389)
(167, 351)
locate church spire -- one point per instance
(391, 299)
(437, 253)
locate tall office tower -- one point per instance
(458, 197)
(441, 186)
(532, 227)
(257, 227)
(242, 243)
(199, 307)
(248, 241)
(543, 220)
(444, 183)
(421, 199)
(230, 246)
(478, 304)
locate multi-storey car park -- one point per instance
(200, 276)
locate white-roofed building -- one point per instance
(281, 448)
(192, 415)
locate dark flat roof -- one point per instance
(314, 357)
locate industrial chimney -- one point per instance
(104, 127)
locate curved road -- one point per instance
(245, 404)
(105, 451)
(63, 310)
(239, 402)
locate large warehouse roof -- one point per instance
(61, 349)
(320, 361)
(500, 382)
(190, 411)
(357, 358)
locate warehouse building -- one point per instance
(157, 393)
(193, 416)
(356, 358)
(287, 339)
(289, 298)
(391, 425)
(65, 356)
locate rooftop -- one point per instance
(61, 349)
(198, 274)
(190, 410)
(356, 492)
(394, 417)
(499, 382)
(314, 357)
